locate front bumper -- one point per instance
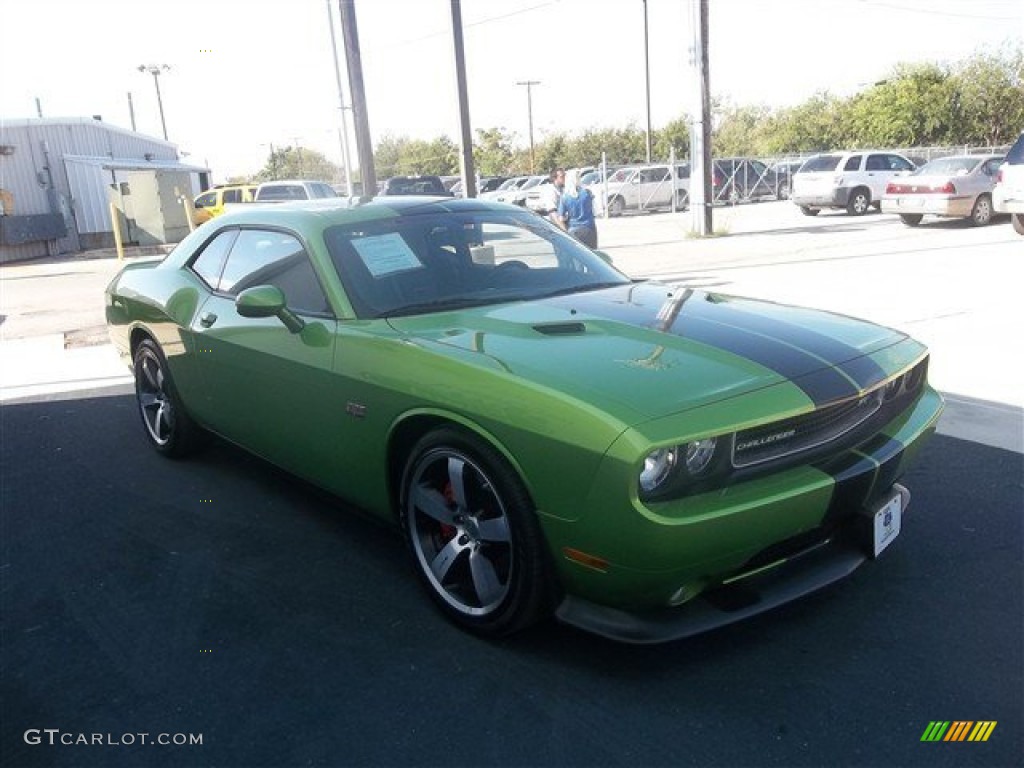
(814, 568)
(661, 557)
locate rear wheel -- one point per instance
(783, 191)
(616, 206)
(473, 534)
(169, 428)
(981, 213)
(682, 200)
(911, 219)
(1017, 219)
(806, 210)
(859, 202)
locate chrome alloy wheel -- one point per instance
(459, 530)
(154, 401)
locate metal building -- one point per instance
(57, 176)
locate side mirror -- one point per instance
(267, 301)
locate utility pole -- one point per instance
(343, 128)
(701, 199)
(647, 80)
(364, 146)
(466, 156)
(131, 110)
(156, 70)
(529, 112)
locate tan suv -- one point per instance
(1008, 194)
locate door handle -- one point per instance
(207, 319)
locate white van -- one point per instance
(646, 187)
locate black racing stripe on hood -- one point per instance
(861, 476)
(773, 344)
(864, 371)
(821, 384)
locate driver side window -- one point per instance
(264, 257)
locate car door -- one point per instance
(269, 389)
(879, 168)
(655, 187)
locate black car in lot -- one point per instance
(740, 179)
(415, 185)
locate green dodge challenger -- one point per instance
(642, 460)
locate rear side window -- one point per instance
(206, 200)
(821, 163)
(853, 164)
(210, 262)
(282, 192)
(232, 195)
(1016, 154)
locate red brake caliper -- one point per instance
(448, 531)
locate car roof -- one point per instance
(351, 210)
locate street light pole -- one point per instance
(155, 70)
(647, 75)
(529, 112)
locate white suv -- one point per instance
(851, 180)
(1008, 195)
(293, 189)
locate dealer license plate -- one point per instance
(887, 520)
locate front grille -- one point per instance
(800, 433)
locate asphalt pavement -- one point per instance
(217, 598)
(146, 600)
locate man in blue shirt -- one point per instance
(576, 211)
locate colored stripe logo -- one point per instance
(959, 730)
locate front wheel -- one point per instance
(473, 534)
(981, 213)
(616, 206)
(169, 428)
(911, 219)
(783, 191)
(1017, 219)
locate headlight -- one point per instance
(657, 467)
(699, 454)
(668, 470)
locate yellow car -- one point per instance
(211, 203)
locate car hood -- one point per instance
(646, 350)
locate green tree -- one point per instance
(298, 163)
(989, 107)
(493, 151)
(913, 107)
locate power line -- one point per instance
(933, 12)
(444, 32)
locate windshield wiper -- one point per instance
(437, 305)
(581, 289)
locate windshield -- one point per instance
(435, 262)
(949, 166)
(821, 163)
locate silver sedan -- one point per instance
(954, 187)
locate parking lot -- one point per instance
(220, 597)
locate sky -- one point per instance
(248, 74)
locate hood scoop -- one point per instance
(560, 329)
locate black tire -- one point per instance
(782, 193)
(167, 425)
(616, 206)
(859, 202)
(1017, 219)
(981, 212)
(806, 210)
(473, 534)
(682, 200)
(911, 219)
